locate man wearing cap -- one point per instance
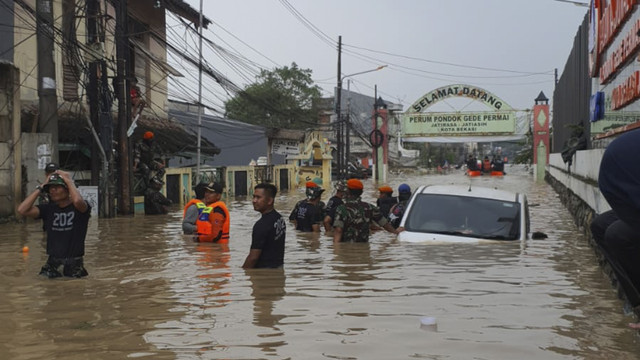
(155, 203)
(66, 218)
(308, 214)
(144, 159)
(48, 170)
(332, 205)
(385, 200)
(193, 209)
(213, 223)
(354, 217)
(397, 211)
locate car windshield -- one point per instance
(464, 216)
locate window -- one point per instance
(464, 216)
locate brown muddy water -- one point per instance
(152, 293)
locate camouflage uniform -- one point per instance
(144, 153)
(354, 217)
(155, 203)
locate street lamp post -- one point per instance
(344, 149)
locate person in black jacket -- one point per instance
(616, 231)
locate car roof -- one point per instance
(469, 191)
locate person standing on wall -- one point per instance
(155, 203)
(146, 160)
(269, 232)
(66, 218)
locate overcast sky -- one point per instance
(508, 47)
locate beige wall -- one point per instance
(10, 144)
(155, 75)
(25, 56)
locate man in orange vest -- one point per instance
(213, 223)
(193, 209)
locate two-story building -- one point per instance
(80, 36)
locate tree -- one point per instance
(282, 98)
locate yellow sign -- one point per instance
(453, 124)
(460, 90)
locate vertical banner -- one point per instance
(541, 132)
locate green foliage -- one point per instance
(282, 98)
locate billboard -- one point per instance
(458, 123)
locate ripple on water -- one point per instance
(154, 293)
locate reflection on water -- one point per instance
(153, 293)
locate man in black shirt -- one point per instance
(65, 218)
(267, 239)
(386, 200)
(308, 214)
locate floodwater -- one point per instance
(152, 293)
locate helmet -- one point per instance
(404, 188)
(341, 186)
(51, 167)
(314, 192)
(54, 179)
(147, 135)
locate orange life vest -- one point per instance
(486, 165)
(197, 202)
(208, 227)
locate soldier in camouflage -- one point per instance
(354, 217)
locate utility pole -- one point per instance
(100, 112)
(347, 142)
(200, 107)
(92, 88)
(48, 100)
(375, 128)
(125, 201)
(338, 113)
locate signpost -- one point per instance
(285, 147)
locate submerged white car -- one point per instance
(465, 214)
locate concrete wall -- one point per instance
(577, 186)
(36, 154)
(581, 178)
(10, 144)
